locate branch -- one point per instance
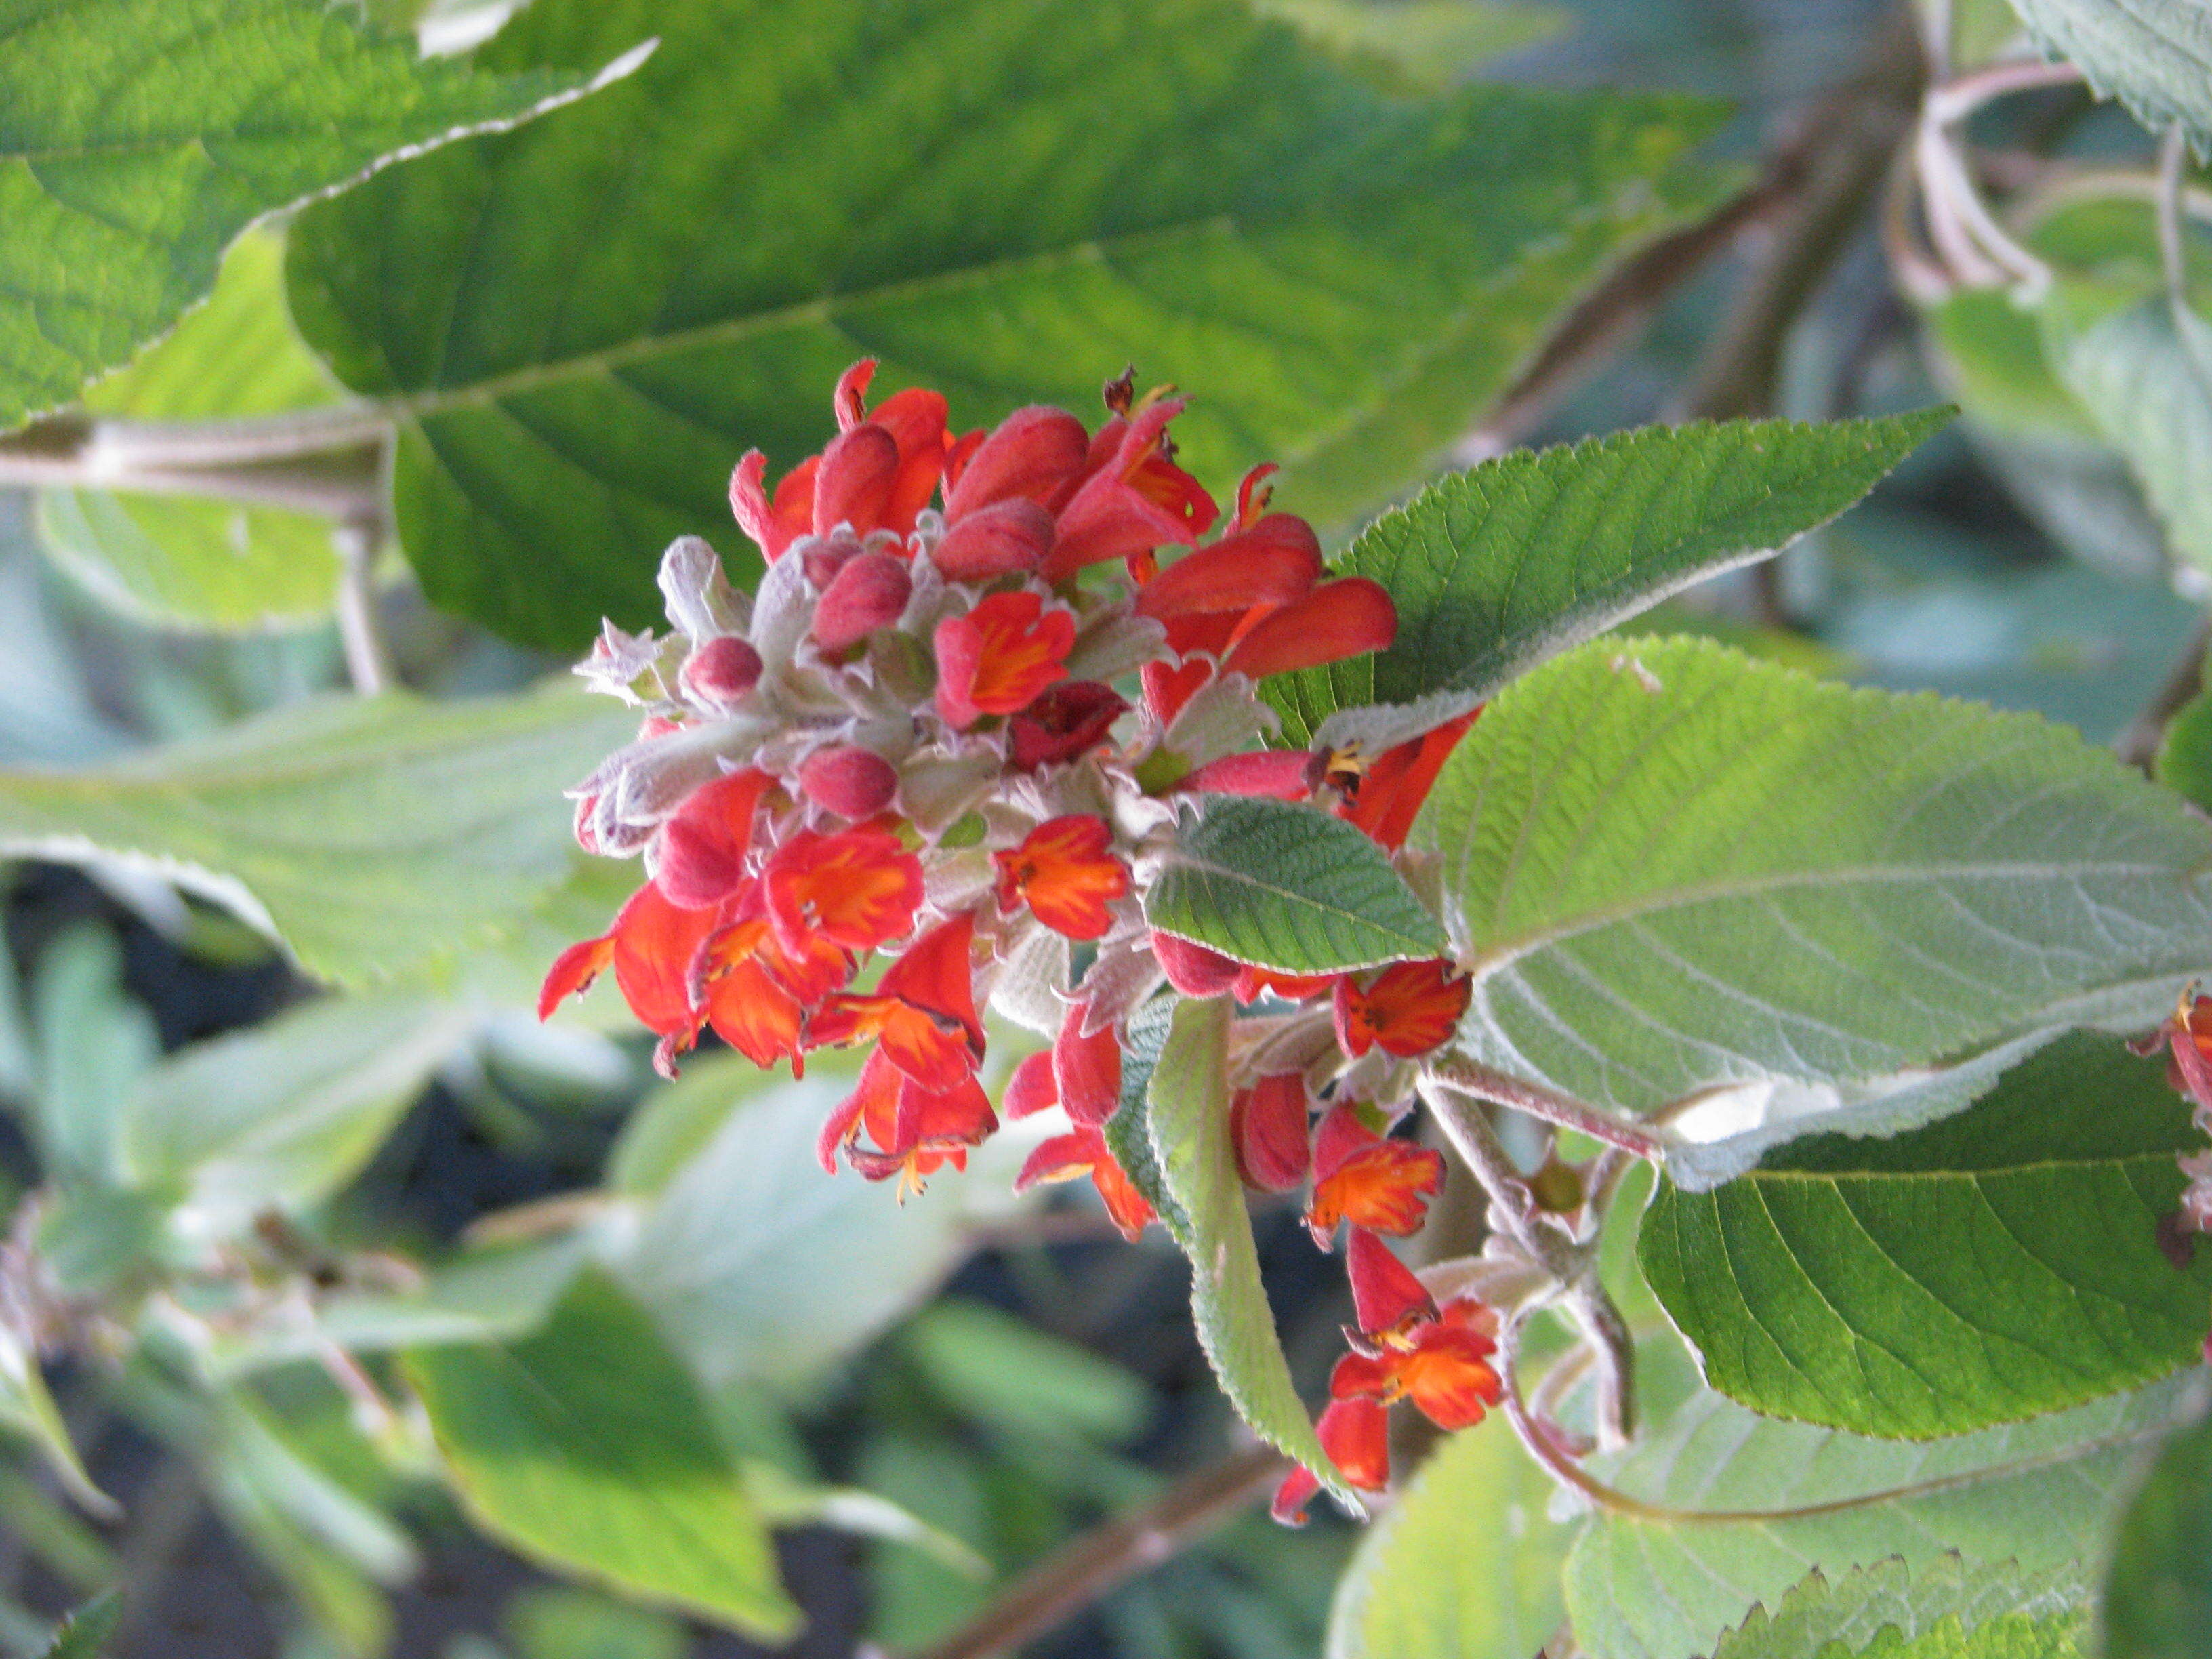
(1546, 1105)
(1070, 1579)
(325, 462)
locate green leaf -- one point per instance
(171, 560)
(84, 1634)
(1498, 568)
(1189, 1128)
(2158, 1591)
(1003, 1372)
(2149, 54)
(1950, 1611)
(759, 1266)
(1129, 1133)
(371, 835)
(2001, 1263)
(1464, 1564)
(585, 323)
(95, 1040)
(27, 1410)
(1288, 888)
(144, 134)
(283, 1114)
(1668, 867)
(2145, 375)
(2035, 1494)
(586, 1447)
(2184, 751)
(1429, 43)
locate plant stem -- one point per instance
(2138, 745)
(1465, 1075)
(322, 464)
(360, 631)
(2173, 152)
(1073, 1578)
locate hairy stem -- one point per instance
(1458, 1072)
(1073, 1578)
(360, 629)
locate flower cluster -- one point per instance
(949, 733)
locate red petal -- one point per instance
(1068, 720)
(848, 401)
(1280, 773)
(853, 484)
(1384, 1292)
(1269, 1129)
(1338, 619)
(869, 592)
(937, 973)
(1008, 538)
(1033, 452)
(1087, 1069)
(1276, 562)
(1032, 1088)
(1356, 1435)
(705, 848)
(573, 972)
(1192, 969)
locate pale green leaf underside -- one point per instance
(2158, 1592)
(173, 560)
(372, 835)
(2145, 375)
(712, 1256)
(2036, 1494)
(2001, 1263)
(2154, 56)
(1464, 1564)
(1288, 888)
(586, 1445)
(1950, 1611)
(1188, 1124)
(141, 136)
(1498, 568)
(1668, 867)
(1129, 1133)
(585, 323)
(283, 1114)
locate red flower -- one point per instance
(1355, 1432)
(1439, 1359)
(857, 889)
(1338, 619)
(1270, 1132)
(1065, 873)
(1408, 1008)
(1366, 1179)
(650, 946)
(914, 1131)
(2187, 1037)
(923, 1013)
(706, 847)
(1135, 498)
(1385, 797)
(1083, 1152)
(1252, 983)
(1070, 718)
(998, 658)
(877, 474)
(1191, 968)
(1086, 1070)
(1273, 563)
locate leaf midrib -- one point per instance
(2033, 1166)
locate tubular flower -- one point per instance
(999, 657)
(857, 888)
(923, 1013)
(1270, 1133)
(1383, 796)
(1406, 1009)
(1355, 1432)
(1083, 1151)
(909, 1131)
(1376, 1184)
(1066, 872)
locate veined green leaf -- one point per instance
(1189, 1127)
(586, 1446)
(94, 1042)
(2145, 375)
(2157, 1598)
(144, 134)
(2036, 1495)
(761, 1267)
(584, 322)
(2149, 54)
(1950, 1611)
(371, 835)
(2184, 751)
(1495, 569)
(283, 1114)
(1998, 1264)
(172, 560)
(1288, 888)
(1668, 867)
(1465, 1564)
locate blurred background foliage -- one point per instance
(398, 1188)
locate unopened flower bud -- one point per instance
(1009, 538)
(700, 600)
(720, 672)
(1192, 969)
(868, 593)
(1034, 453)
(1270, 1135)
(857, 783)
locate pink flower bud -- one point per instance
(1192, 969)
(853, 484)
(857, 783)
(868, 593)
(1034, 453)
(1002, 540)
(1269, 1133)
(720, 671)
